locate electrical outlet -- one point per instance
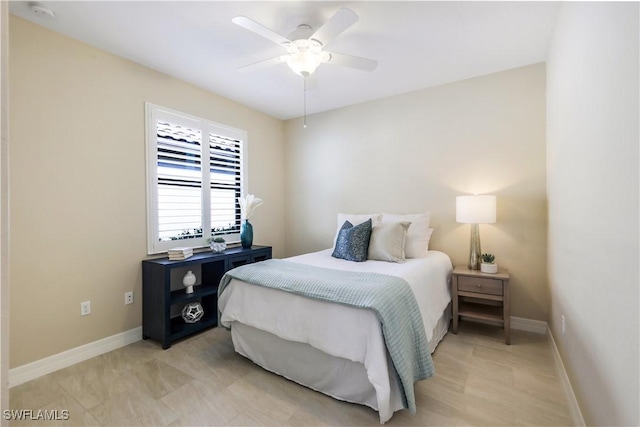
(128, 298)
(85, 308)
(563, 324)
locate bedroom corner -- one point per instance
(417, 152)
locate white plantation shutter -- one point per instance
(179, 183)
(195, 173)
(226, 183)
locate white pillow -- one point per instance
(429, 233)
(355, 219)
(387, 241)
(418, 235)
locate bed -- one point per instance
(331, 347)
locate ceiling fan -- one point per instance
(304, 46)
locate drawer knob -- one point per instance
(479, 285)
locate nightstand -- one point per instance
(481, 296)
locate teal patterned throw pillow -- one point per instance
(352, 243)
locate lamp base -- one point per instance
(475, 254)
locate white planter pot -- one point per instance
(488, 268)
(218, 248)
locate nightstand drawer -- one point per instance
(480, 285)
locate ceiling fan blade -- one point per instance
(260, 30)
(263, 64)
(340, 21)
(364, 64)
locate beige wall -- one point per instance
(77, 185)
(417, 152)
(592, 148)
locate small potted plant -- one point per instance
(488, 265)
(218, 245)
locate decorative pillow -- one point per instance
(352, 243)
(356, 219)
(387, 241)
(417, 241)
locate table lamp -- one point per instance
(475, 210)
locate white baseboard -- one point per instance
(572, 402)
(529, 325)
(45, 366)
(540, 327)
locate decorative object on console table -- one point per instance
(188, 281)
(159, 297)
(218, 245)
(481, 297)
(180, 253)
(247, 205)
(192, 312)
(475, 210)
(246, 234)
(488, 265)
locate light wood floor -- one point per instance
(201, 381)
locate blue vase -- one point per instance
(246, 234)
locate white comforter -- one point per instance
(351, 333)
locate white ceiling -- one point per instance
(417, 44)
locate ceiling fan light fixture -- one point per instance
(304, 56)
(304, 63)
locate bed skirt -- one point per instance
(337, 377)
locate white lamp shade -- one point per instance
(476, 209)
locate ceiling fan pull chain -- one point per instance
(305, 102)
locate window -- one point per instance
(195, 174)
